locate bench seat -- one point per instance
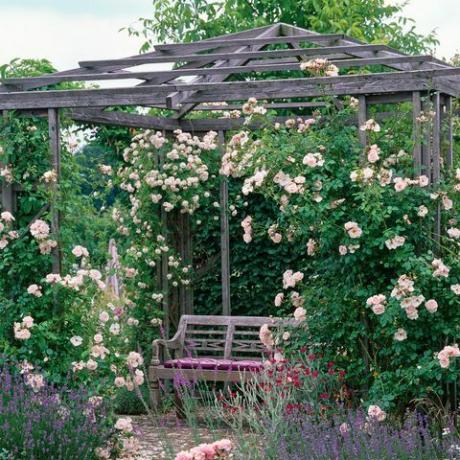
(217, 364)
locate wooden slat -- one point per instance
(416, 127)
(55, 150)
(362, 118)
(436, 162)
(201, 46)
(124, 119)
(224, 236)
(291, 30)
(308, 52)
(7, 189)
(272, 106)
(172, 101)
(216, 92)
(208, 320)
(192, 125)
(206, 71)
(450, 132)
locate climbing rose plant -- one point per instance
(377, 287)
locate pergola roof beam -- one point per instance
(290, 30)
(176, 73)
(173, 100)
(202, 46)
(223, 91)
(307, 52)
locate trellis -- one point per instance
(199, 82)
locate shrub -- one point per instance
(378, 287)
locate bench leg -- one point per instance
(155, 395)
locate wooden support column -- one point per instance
(163, 270)
(185, 239)
(8, 201)
(426, 144)
(449, 119)
(436, 159)
(417, 131)
(224, 236)
(362, 118)
(437, 107)
(55, 150)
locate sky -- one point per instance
(66, 31)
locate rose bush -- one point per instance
(376, 286)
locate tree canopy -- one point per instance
(368, 20)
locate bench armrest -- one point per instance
(172, 344)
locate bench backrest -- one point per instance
(229, 337)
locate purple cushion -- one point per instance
(247, 365)
(199, 363)
(216, 364)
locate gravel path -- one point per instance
(158, 442)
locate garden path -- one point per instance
(157, 441)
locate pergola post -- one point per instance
(417, 131)
(224, 236)
(55, 150)
(449, 119)
(186, 253)
(362, 118)
(7, 188)
(436, 158)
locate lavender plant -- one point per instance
(355, 436)
(40, 421)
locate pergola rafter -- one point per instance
(218, 74)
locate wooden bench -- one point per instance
(209, 348)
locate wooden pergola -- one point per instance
(199, 82)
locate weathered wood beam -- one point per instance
(172, 101)
(437, 108)
(224, 236)
(387, 82)
(192, 125)
(417, 131)
(274, 105)
(202, 46)
(7, 190)
(291, 30)
(207, 71)
(124, 119)
(449, 133)
(362, 118)
(308, 52)
(55, 150)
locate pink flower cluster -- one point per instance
(40, 230)
(266, 336)
(289, 184)
(448, 352)
(353, 229)
(291, 278)
(217, 450)
(377, 303)
(395, 242)
(22, 329)
(440, 269)
(246, 223)
(6, 219)
(376, 413)
(320, 66)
